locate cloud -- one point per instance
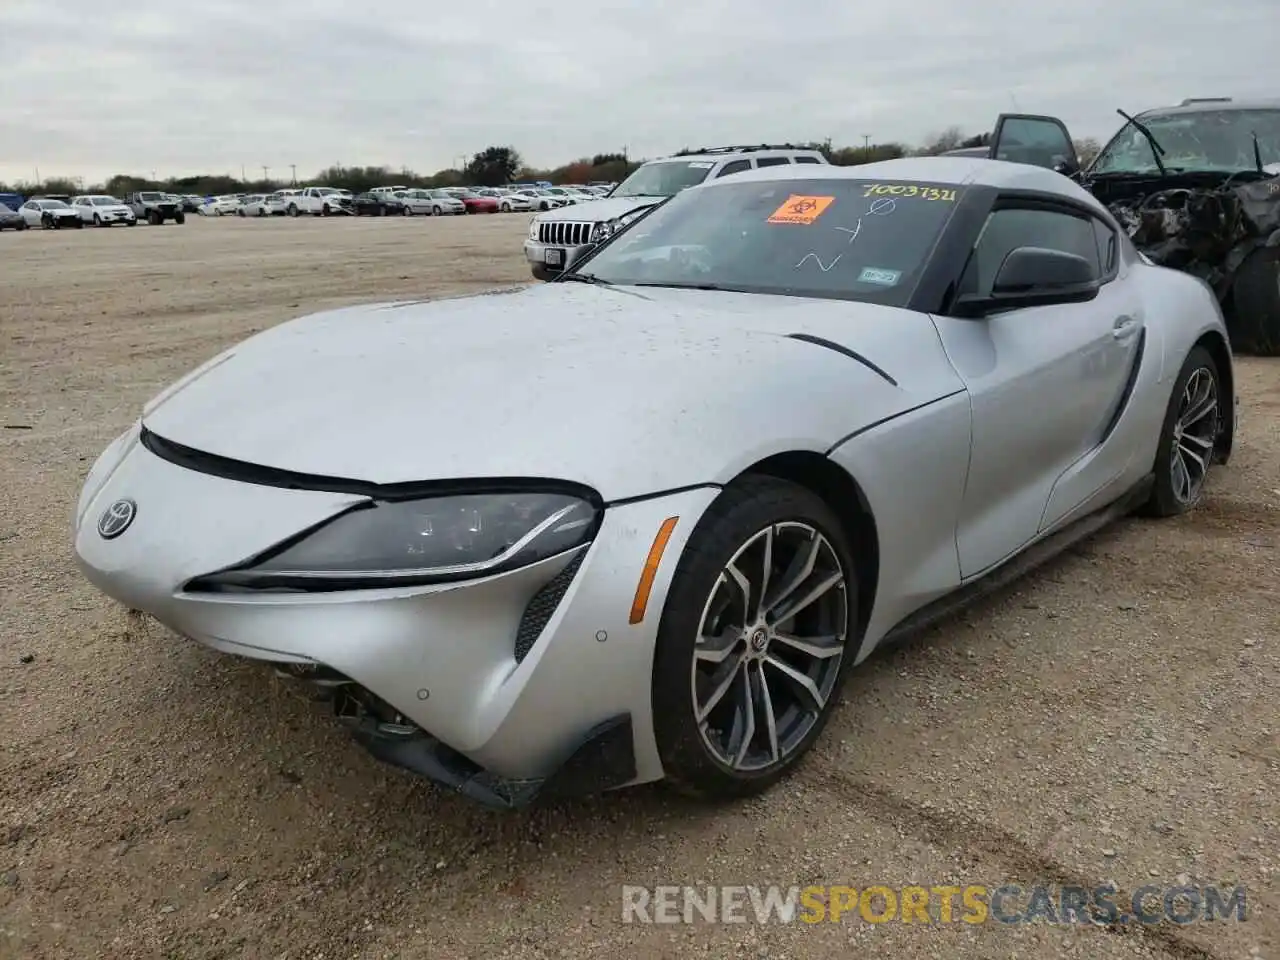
(142, 85)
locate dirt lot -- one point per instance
(1113, 719)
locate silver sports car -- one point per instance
(637, 523)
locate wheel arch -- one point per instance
(1216, 345)
(842, 493)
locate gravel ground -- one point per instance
(1110, 719)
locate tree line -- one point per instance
(493, 166)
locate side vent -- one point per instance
(840, 348)
(542, 605)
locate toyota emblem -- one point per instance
(116, 519)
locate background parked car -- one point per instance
(222, 206)
(373, 204)
(49, 214)
(103, 211)
(10, 219)
(474, 202)
(513, 202)
(255, 205)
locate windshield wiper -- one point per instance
(1157, 151)
(681, 286)
(584, 278)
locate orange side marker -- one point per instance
(651, 564)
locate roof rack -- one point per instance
(1190, 100)
(746, 148)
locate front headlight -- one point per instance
(387, 544)
(533, 230)
(603, 231)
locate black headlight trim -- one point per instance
(241, 471)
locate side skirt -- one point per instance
(1019, 566)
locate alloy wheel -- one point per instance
(769, 648)
(1194, 433)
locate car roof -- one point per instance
(951, 171)
(1207, 105)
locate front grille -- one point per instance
(543, 604)
(569, 233)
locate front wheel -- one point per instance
(179, 218)
(506, 208)
(406, 210)
(436, 211)
(1188, 437)
(753, 640)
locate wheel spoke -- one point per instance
(723, 681)
(744, 720)
(803, 683)
(765, 699)
(803, 565)
(716, 649)
(1202, 444)
(744, 585)
(819, 648)
(1179, 476)
(766, 572)
(1200, 408)
(813, 593)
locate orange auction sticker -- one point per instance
(801, 209)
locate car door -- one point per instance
(1034, 139)
(1045, 383)
(31, 213)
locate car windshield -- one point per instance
(838, 239)
(151, 196)
(442, 195)
(664, 178)
(105, 201)
(1214, 140)
(53, 205)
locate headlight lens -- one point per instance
(533, 230)
(424, 541)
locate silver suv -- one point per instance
(558, 237)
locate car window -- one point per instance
(1033, 141)
(1108, 247)
(734, 166)
(839, 239)
(771, 161)
(1010, 228)
(5, 209)
(807, 160)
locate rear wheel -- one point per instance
(752, 643)
(436, 211)
(1188, 436)
(1255, 300)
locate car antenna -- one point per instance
(1157, 151)
(1257, 152)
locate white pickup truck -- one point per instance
(318, 201)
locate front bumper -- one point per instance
(117, 217)
(551, 257)
(492, 687)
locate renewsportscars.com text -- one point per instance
(973, 904)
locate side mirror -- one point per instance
(1034, 277)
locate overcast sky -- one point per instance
(93, 88)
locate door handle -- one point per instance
(1124, 328)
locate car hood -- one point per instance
(600, 210)
(630, 392)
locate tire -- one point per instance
(436, 211)
(1254, 321)
(22, 224)
(293, 210)
(97, 220)
(704, 598)
(155, 218)
(506, 208)
(179, 217)
(542, 273)
(406, 211)
(324, 210)
(1171, 495)
(134, 222)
